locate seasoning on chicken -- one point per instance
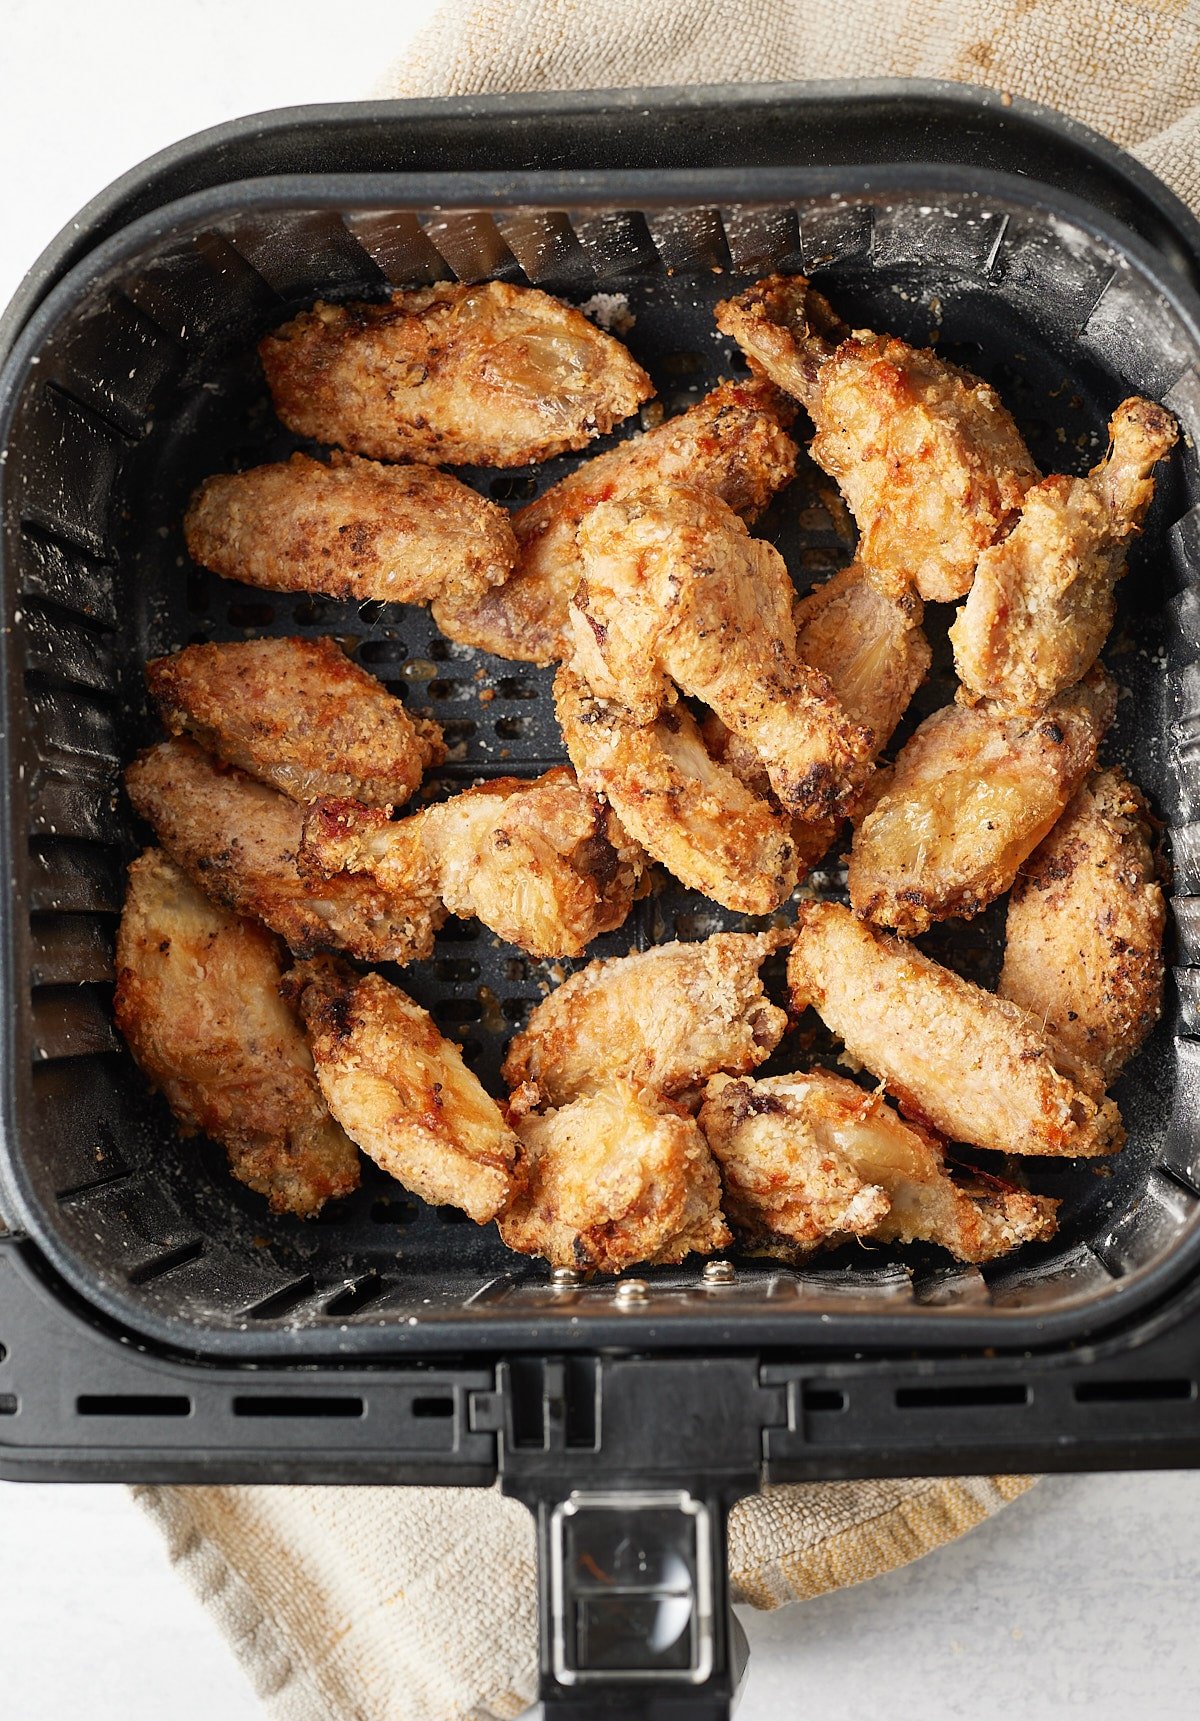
(352, 529)
(969, 798)
(1042, 603)
(870, 647)
(298, 715)
(401, 1090)
(454, 374)
(973, 1067)
(198, 1002)
(1086, 918)
(734, 442)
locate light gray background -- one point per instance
(1080, 1599)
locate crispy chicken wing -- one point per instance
(870, 647)
(1085, 927)
(733, 442)
(240, 840)
(929, 460)
(1042, 603)
(545, 863)
(974, 1067)
(666, 1018)
(969, 798)
(198, 1002)
(613, 1179)
(298, 715)
(813, 1159)
(455, 374)
(350, 528)
(402, 1091)
(685, 809)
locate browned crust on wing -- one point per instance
(871, 648)
(785, 328)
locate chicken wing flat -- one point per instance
(298, 715)
(198, 1002)
(1085, 927)
(969, 798)
(352, 529)
(675, 589)
(973, 1067)
(401, 1090)
(1042, 603)
(734, 442)
(613, 1179)
(813, 1159)
(685, 808)
(240, 840)
(932, 465)
(545, 864)
(666, 1019)
(870, 647)
(486, 375)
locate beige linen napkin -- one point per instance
(365, 1604)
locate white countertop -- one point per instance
(1079, 1599)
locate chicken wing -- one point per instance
(674, 588)
(666, 1018)
(684, 808)
(969, 798)
(1085, 927)
(298, 715)
(973, 1067)
(240, 840)
(402, 1091)
(455, 374)
(733, 442)
(613, 1179)
(1042, 603)
(813, 1159)
(932, 465)
(870, 647)
(544, 864)
(352, 529)
(198, 1002)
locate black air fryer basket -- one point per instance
(155, 1324)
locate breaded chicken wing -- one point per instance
(870, 647)
(969, 798)
(1042, 603)
(401, 1090)
(675, 589)
(350, 528)
(198, 1002)
(733, 442)
(545, 863)
(298, 715)
(240, 840)
(613, 1179)
(665, 1018)
(454, 374)
(813, 1159)
(1085, 927)
(973, 1067)
(685, 809)
(932, 465)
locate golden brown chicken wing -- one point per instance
(239, 841)
(870, 647)
(1042, 603)
(401, 1090)
(974, 1067)
(969, 798)
(198, 1002)
(298, 715)
(733, 442)
(613, 1179)
(932, 465)
(455, 374)
(545, 863)
(350, 528)
(813, 1159)
(1085, 927)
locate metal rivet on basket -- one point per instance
(565, 1278)
(719, 1273)
(632, 1291)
